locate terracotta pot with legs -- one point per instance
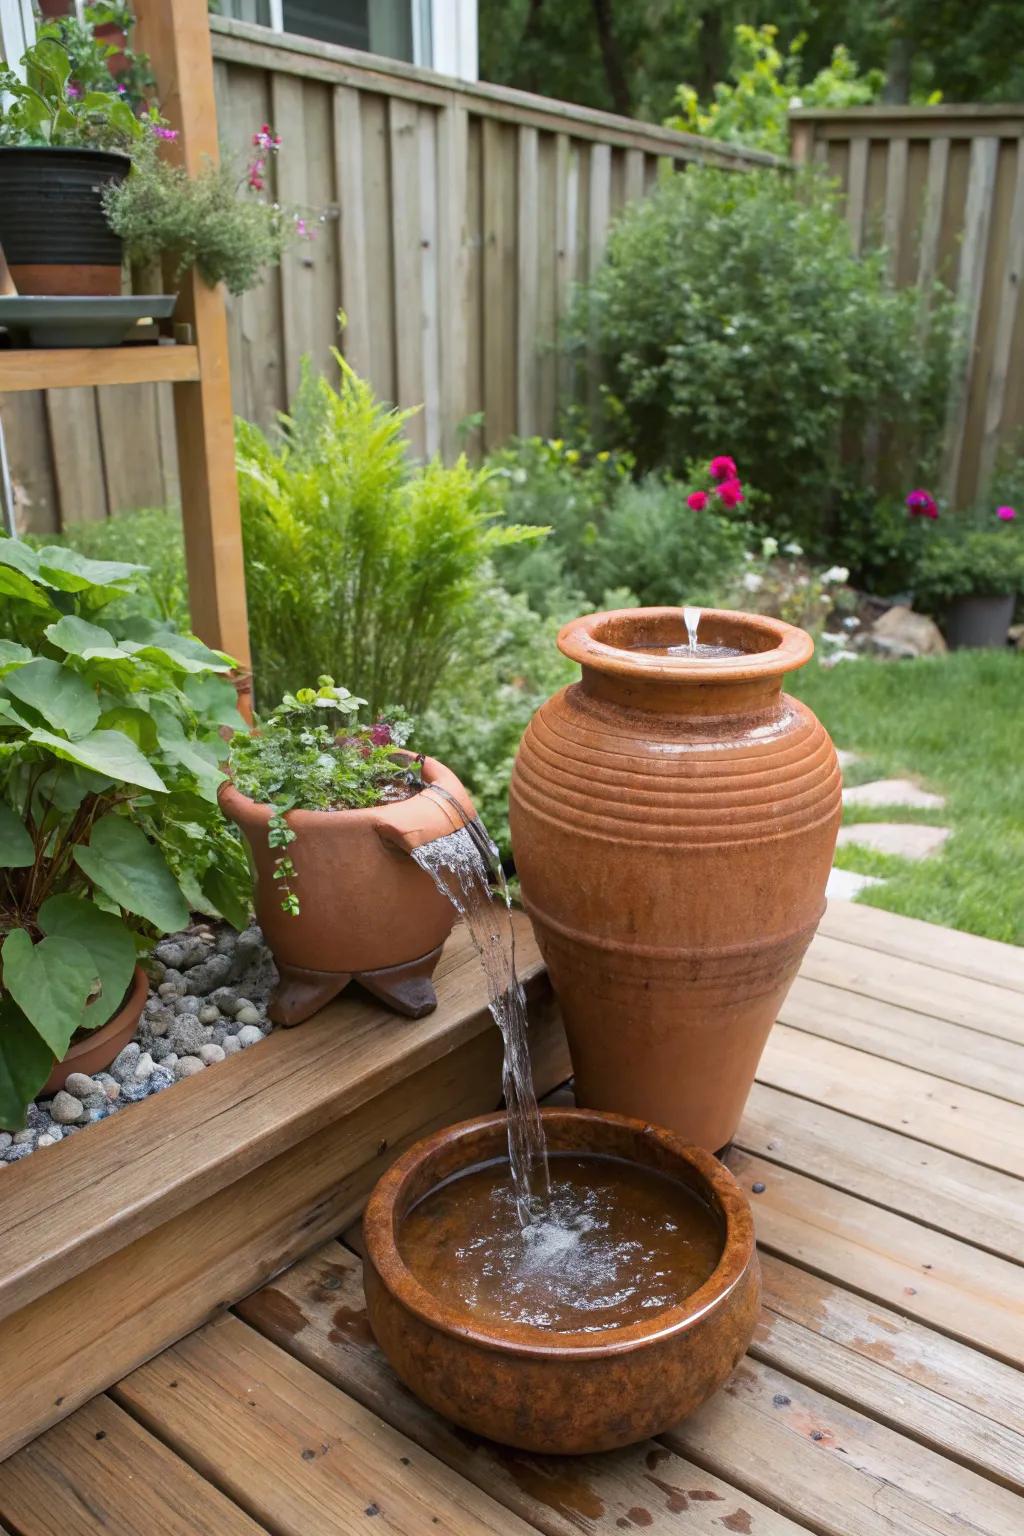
(367, 912)
(673, 822)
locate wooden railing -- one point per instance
(943, 189)
(459, 217)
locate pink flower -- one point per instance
(73, 91)
(160, 132)
(730, 492)
(267, 140)
(303, 229)
(380, 734)
(697, 501)
(722, 468)
(922, 504)
(1006, 514)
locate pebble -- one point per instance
(245, 1013)
(225, 1000)
(160, 1049)
(96, 1105)
(232, 1045)
(15, 1154)
(46, 1141)
(208, 1014)
(161, 1077)
(212, 973)
(167, 989)
(186, 1035)
(5, 1140)
(218, 1034)
(144, 1067)
(160, 1021)
(25, 1138)
(170, 952)
(123, 1064)
(208, 1054)
(188, 1066)
(249, 1034)
(80, 1084)
(187, 1005)
(66, 1109)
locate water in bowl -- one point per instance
(613, 1243)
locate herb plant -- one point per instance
(308, 756)
(49, 108)
(109, 826)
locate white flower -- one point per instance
(795, 103)
(835, 573)
(792, 549)
(753, 582)
(769, 547)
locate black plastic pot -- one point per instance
(978, 622)
(52, 226)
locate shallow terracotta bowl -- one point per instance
(561, 1393)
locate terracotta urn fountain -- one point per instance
(673, 820)
(561, 1393)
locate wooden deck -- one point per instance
(882, 1395)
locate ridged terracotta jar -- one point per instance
(367, 912)
(560, 1393)
(673, 823)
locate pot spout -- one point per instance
(424, 817)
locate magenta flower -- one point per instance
(922, 503)
(380, 734)
(697, 501)
(72, 91)
(723, 468)
(730, 492)
(303, 228)
(267, 140)
(1006, 514)
(160, 132)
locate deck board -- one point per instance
(881, 1395)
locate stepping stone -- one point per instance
(906, 840)
(845, 884)
(893, 792)
(846, 759)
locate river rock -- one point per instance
(171, 952)
(188, 1066)
(208, 1054)
(6, 1140)
(225, 1000)
(80, 1084)
(144, 1067)
(247, 1013)
(189, 1004)
(123, 1065)
(249, 1034)
(209, 1014)
(46, 1141)
(231, 1045)
(186, 1035)
(160, 1021)
(15, 1154)
(213, 972)
(26, 1138)
(66, 1109)
(900, 632)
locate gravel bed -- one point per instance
(208, 998)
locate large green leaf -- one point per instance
(16, 847)
(50, 982)
(219, 889)
(123, 862)
(108, 942)
(106, 752)
(14, 584)
(197, 760)
(137, 724)
(57, 693)
(17, 556)
(214, 699)
(72, 572)
(80, 638)
(25, 1063)
(13, 655)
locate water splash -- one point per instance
(461, 865)
(691, 618)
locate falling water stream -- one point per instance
(693, 647)
(460, 865)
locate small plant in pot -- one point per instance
(331, 812)
(109, 828)
(969, 572)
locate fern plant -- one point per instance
(358, 560)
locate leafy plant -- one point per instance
(731, 308)
(109, 825)
(299, 759)
(49, 108)
(753, 108)
(100, 64)
(970, 555)
(354, 557)
(149, 537)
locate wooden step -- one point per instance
(116, 1242)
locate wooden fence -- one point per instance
(943, 189)
(458, 218)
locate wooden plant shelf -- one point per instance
(115, 1243)
(72, 367)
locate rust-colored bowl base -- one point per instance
(96, 1050)
(561, 1393)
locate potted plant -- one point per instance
(109, 827)
(970, 573)
(331, 812)
(60, 147)
(83, 182)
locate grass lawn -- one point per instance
(956, 724)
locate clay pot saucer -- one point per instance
(560, 1393)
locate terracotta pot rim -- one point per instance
(236, 805)
(129, 1011)
(738, 1248)
(779, 647)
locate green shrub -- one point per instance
(970, 556)
(357, 562)
(730, 309)
(109, 822)
(609, 532)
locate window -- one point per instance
(438, 34)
